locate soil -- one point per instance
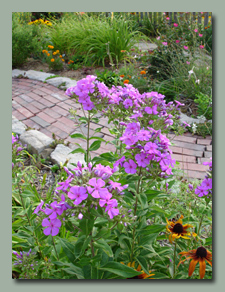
(37, 65)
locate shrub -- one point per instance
(25, 40)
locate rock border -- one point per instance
(39, 143)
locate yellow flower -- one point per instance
(52, 60)
(177, 229)
(54, 53)
(143, 72)
(62, 60)
(60, 56)
(48, 54)
(197, 255)
(141, 276)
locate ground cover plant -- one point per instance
(120, 215)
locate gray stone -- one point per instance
(17, 126)
(62, 153)
(37, 75)
(61, 80)
(189, 120)
(36, 140)
(17, 72)
(144, 46)
(46, 152)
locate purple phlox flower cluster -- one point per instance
(72, 197)
(89, 92)
(205, 189)
(147, 145)
(127, 95)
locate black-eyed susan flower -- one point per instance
(141, 276)
(201, 255)
(177, 229)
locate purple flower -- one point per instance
(88, 105)
(64, 185)
(52, 226)
(112, 211)
(119, 162)
(39, 208)
(148, 110)
(97, 191)
(56, 210)
(144, 135)
(141, 160)
(77, 193)
(190, 187)
(207, 183)
(127, 103)
(14, 139)
(102, 202)
(130, 167)
(200, 191)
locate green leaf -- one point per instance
(81, 245)
(83, 119)
(95, 145)
(27, 193)
(151, 194)
(120, 269)
(68, 249)
(101, 243)
(148, 239)
(78, 150)
(86, 225)
(144, 264)
(97, 138)
(156, 228)
(78, 135)
(74, 270)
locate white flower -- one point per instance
(157, 72)
(194, 127)
(197, 81)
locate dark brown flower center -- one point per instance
(201, 252)
(178, 228)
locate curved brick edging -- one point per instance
(45, 107)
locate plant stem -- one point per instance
(174, 259)
(92, 248)
(88, 134)
(135, 211)
(55, 248)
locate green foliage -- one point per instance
(110, 78)
(204, 103)
(99, 39)
(24, 42)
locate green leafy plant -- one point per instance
(110, 78)
(204, 105)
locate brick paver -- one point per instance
(46, 108)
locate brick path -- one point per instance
(44, 107)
